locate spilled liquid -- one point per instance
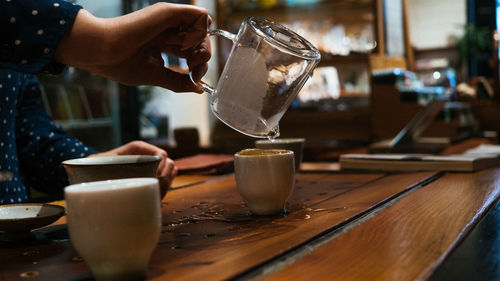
(77, 259)
(31, 253)
(29, 274)
(211, 224)
(222, 226)
(273, 134)
(225, 220)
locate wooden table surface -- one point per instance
(339, 226)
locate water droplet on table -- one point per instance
(29, 274)
(31, 253)
(77, 259)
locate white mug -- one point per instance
(114, 167)
(265, 179)
(115, 225)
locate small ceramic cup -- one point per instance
(294, 144)
(115, 225)
(114, 167)
(265, 179)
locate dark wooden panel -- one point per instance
(478, 256)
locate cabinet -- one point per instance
(355, 38)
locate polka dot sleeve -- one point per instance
(30, 31)
(43, 145)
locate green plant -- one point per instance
(476, 43)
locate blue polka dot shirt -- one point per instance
(32, 146)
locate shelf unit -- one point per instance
(85, 105)
(346, 125)
(348, 12)
(342, 11)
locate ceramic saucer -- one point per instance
(17, 220)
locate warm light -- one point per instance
(436, 75)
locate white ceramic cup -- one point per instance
(114, 167)
(265, 179)
(294, 144)
(115, 225)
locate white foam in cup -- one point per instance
(115, 225)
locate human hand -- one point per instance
(128, 48)
(166, 169)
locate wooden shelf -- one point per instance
(332, 60)
(336, 11)
(373, 61)
(339, 4)
(350, 125)
(447, 48)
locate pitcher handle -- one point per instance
(205, 86)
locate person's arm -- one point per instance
(41, 144)
(46, 35)
(30, 31)
(128, 48)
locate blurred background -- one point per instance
(383, 62)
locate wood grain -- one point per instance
(408, 240)
(409, 55)
(465, 145)
(188, 180)
(477, 257)
(181, 181)
(379, 26)
(209, 234)
(320, 167)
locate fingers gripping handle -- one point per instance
(223, 33)
(204, 86)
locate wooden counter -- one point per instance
(339, 226)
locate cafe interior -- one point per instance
(406, 79)
(382, 62)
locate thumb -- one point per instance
(175, 81)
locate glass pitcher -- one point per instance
(267, 66)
